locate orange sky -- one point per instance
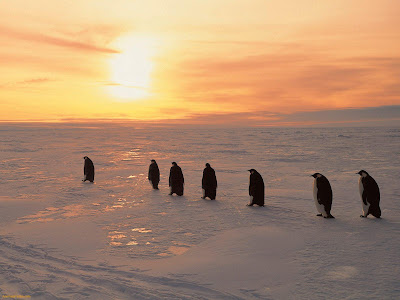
(185, 60)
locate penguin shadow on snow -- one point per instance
(180, 201)
(256, 207)
(349, 226)
(259, 211)
(176, 199)
(88, 183)
(210, 203)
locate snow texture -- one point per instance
(117, 238)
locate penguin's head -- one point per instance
(363, 173)
(174, 163)
(208, 165)
(316, 175)
(85, 157)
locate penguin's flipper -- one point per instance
(319, 198)
(364, 197)
(325, 199)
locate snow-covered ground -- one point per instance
(119, 239)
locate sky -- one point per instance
(238, 62)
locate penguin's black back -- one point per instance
(88, 169)
(371, 194)
(324, 194)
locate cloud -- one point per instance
(36, 63)
(55, 40)
(27, 82)
(35, 80)
(349, 115)
(290, 80)
(372, 116)
(111, 83)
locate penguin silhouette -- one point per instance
(88, 170)
(322, 195)
(370, 195)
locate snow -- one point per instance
(61, 238)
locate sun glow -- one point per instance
(131, 69)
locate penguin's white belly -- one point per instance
(365, 208)
(320, 207)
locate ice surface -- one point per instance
(119, 239)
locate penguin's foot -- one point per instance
(319, 215)
(362, 216)
(170, 194)
(329, 217)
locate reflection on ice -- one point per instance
(117, 236)
(174, 250)
(115, 243)
(177, 250)
(54, 213)
(132, 243)
(342, 273)
(142, 230)
(133, 154)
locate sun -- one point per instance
(131, 69)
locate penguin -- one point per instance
(256, 188)
(154, 174)
(176, 180)
(322, 195)
(209, 183)
(370, 195)
(88, 170)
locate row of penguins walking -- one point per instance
(369, 192)
(322, 190)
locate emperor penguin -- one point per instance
(88, 170)
(322, 195)
(370, 195)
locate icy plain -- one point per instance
(119, 239)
